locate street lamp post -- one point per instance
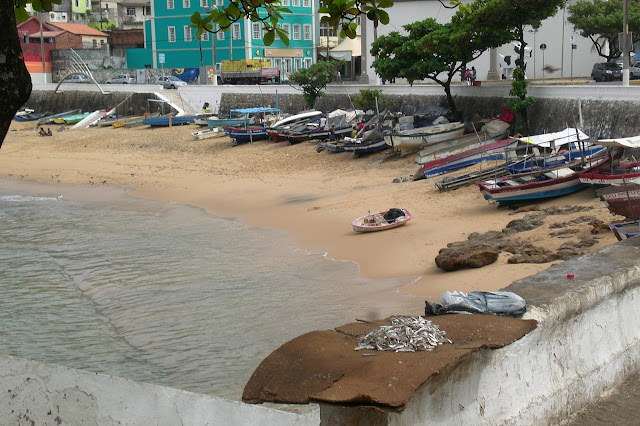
(213, 45)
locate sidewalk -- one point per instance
(620, 407)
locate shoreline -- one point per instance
(312, 196)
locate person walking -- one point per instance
(468, 77)
(473, 75)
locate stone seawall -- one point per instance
(602, 115)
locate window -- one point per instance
(295, 3)
(286, 3)
(77, 2)
(186, 4)
(169, 4)
(307, 31)
(95, 42)
(326, 30)
(219, 34)
(297, 64)
(307, 62)
(131, 11)
(203, 3)
(205, 36)
(277, 37)
(296, 31)
(219, 2)
(287, 29)
(235, 31)
(306, 3)
(255, 30)
(172, 34)
(87, 4)
(187, 33)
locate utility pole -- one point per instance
(625, 43)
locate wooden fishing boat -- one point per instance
(49, 119)
(623, 200)
(28, 116)
(377, 222)
(454, 182)
(288, 123)
(201, 118)
(71, 119)
(619, 174)
(246, 135)
(414, 139)
(165, 121)
(494, 150)
(214, 132)
(540, 184)
(624, 230)
(454, 146)
(371, 141)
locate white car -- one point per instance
(170, 82)
(634, 70)
(121, 79)
(77, 78)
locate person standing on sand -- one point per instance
(332, 133)
(323, 122)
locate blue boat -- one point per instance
(246, 135)
(165, 121)
(253, 126)
(241, 118)
(29, 116)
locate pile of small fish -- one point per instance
(405, 334)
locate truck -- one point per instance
(249, 71)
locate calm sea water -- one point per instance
(97, 279)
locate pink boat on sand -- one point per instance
(380, 221)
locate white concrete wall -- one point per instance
(555, 32)
(37, 393)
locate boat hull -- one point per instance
(208, 134)
(415, 139)
(547, 183)
(168, 121)
(376, 222)
(623, 200)
(625, 230)
(241, 136)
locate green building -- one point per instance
(170, 43)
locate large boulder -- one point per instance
(466, 256)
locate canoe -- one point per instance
(376, 221)
(215, 132)
(87, 121)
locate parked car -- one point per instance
(634, 69)
(606, 71)
(170, 82)
(121, 79)
(77, 78)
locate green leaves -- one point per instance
(314, 79)
(20, 11)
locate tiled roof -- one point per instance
(79, 29)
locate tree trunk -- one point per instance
(450, 101)
(15, 81)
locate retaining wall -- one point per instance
(586, 342)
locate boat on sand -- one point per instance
(380, 221)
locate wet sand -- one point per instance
(312, 195)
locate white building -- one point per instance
(556, 33)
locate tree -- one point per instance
(601, 21)
(515, 16)
(437, 51)
(314, 79)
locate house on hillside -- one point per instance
(57, 36)
(171, 43)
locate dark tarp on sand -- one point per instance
(323, 366)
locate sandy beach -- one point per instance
(312, 195)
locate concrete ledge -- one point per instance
(586, 343)
(37, 393)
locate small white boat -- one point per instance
(201, 118)
(380, 221)
(413, 140)
(213, 132)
